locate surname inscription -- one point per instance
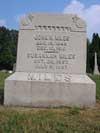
(49, 77)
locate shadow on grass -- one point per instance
(1, 96)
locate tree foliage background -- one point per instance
(92, 47)
(8, 49)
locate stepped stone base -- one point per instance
(23, 90)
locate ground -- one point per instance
(52, 120)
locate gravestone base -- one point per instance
(21, 91)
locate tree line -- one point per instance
(92, 47)
(8, 49)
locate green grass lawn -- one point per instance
(52, 120)
(61, 120)
(96, 78)
(3, 76)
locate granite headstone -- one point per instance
(51, 63)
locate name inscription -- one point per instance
(50, 51)
(49, 77)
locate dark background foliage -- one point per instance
(92, 47)
(8, 48)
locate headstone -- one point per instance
(51, 63)
(96, 71)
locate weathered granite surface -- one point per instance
(51, 63)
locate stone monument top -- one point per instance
(52, 43)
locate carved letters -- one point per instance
(49, 77)
(49, 51)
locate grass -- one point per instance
(53, 120)
(3, 76)
(63, 120)
(96, 78)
